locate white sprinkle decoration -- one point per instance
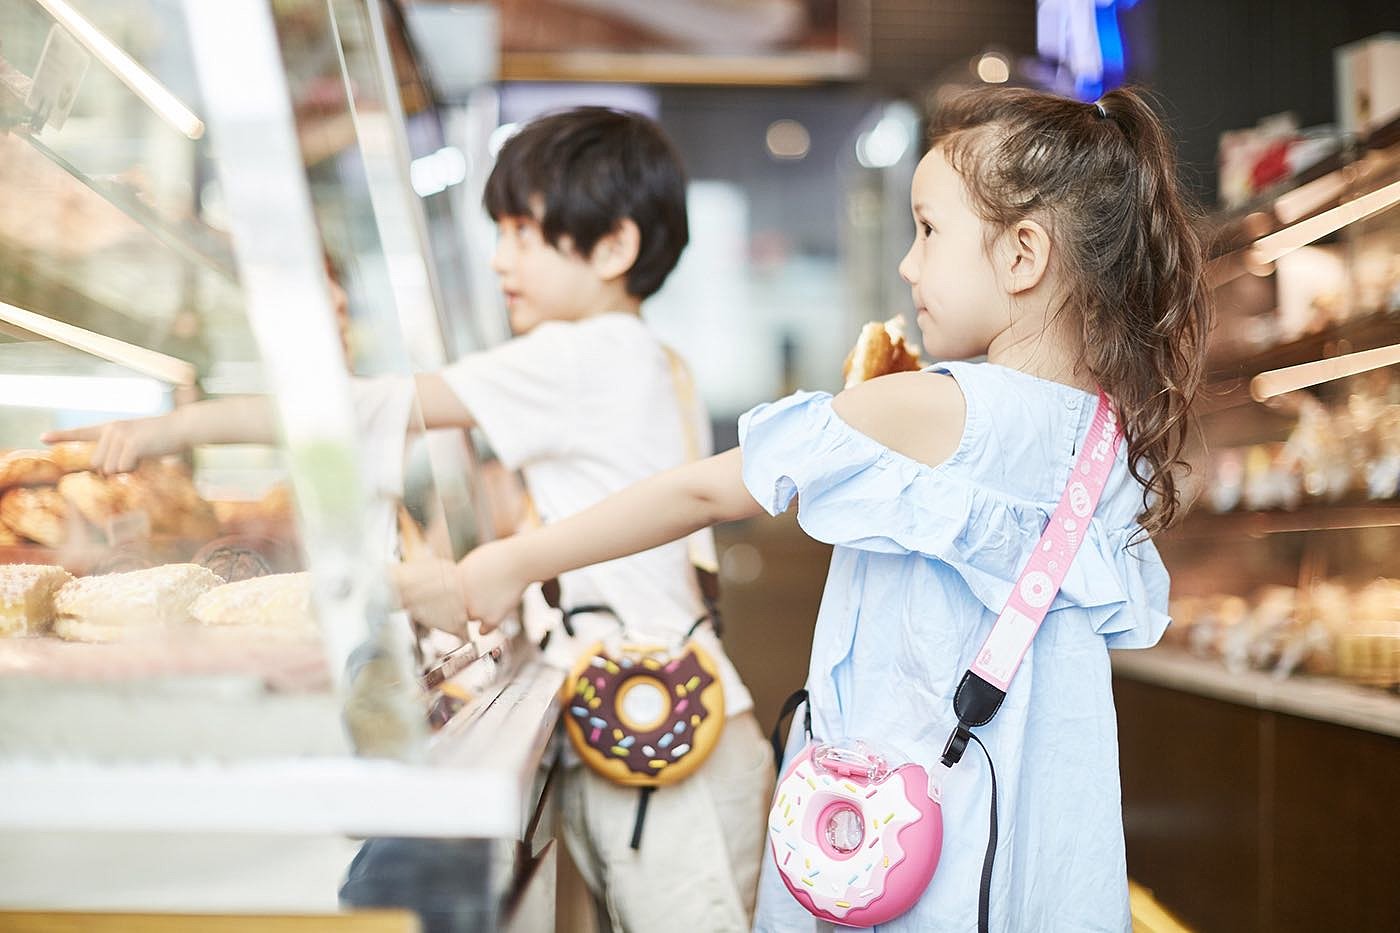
(680, 750)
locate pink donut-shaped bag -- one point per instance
(855, 841)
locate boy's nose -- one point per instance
(499, 262)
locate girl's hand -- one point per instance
(121, 445)
(486, 586)
(493, 579)
(431, 593)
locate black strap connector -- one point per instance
(957, 744)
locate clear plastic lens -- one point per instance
(845, 830)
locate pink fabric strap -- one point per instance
(1044, 573)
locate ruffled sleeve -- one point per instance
(854, 492)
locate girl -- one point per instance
(1051, 238)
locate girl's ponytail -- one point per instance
(1168, 281)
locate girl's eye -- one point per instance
(926, 228)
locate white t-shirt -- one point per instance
(585, 409)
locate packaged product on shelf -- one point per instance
(1225, 480)
(1271, 479)
(1369, 651)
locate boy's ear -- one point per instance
(615, 254)
(1027, 256)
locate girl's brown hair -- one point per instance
(1102, 179)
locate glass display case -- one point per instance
(217, 202)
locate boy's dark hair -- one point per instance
(588, 169)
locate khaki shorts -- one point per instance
(702, 842)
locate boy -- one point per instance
(590, 206)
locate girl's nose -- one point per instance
(908, 267)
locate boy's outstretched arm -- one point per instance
(489, 581)
(245, 419)
(120, 445)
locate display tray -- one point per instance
(89, 559)
(1320, 698)
(282, 663)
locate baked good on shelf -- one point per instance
(26, 597)
(271, 516)
(8, 538)
(278, 603)
(277, 505)
(880, 350)
(235, 558)
(183, 511)
(115, 606)
(72, 456)
(97, 498)
(28, 468)
(37, 513)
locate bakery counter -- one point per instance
(476, 783)
(1319, 698)
(275, 834)
(1255, 804)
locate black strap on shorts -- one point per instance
(643, 798)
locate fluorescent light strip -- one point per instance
(141, 82)
(126, 395)
(1290, 379)
(147, 362)
(1269, 248)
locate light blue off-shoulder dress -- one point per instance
(924, 559)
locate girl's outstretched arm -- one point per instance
(489, 581)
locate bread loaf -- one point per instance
(27, 596)
(97, 498)
(37, 513)
(278, 603)
(234, 558)
(28, 468)
(72, 456)
(116, 606)
(880, 350)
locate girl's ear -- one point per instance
(1028, 256)
(614, 255)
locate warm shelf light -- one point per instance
(138, 79)
(167, 369)
(1269, 248)
(1290, 379)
